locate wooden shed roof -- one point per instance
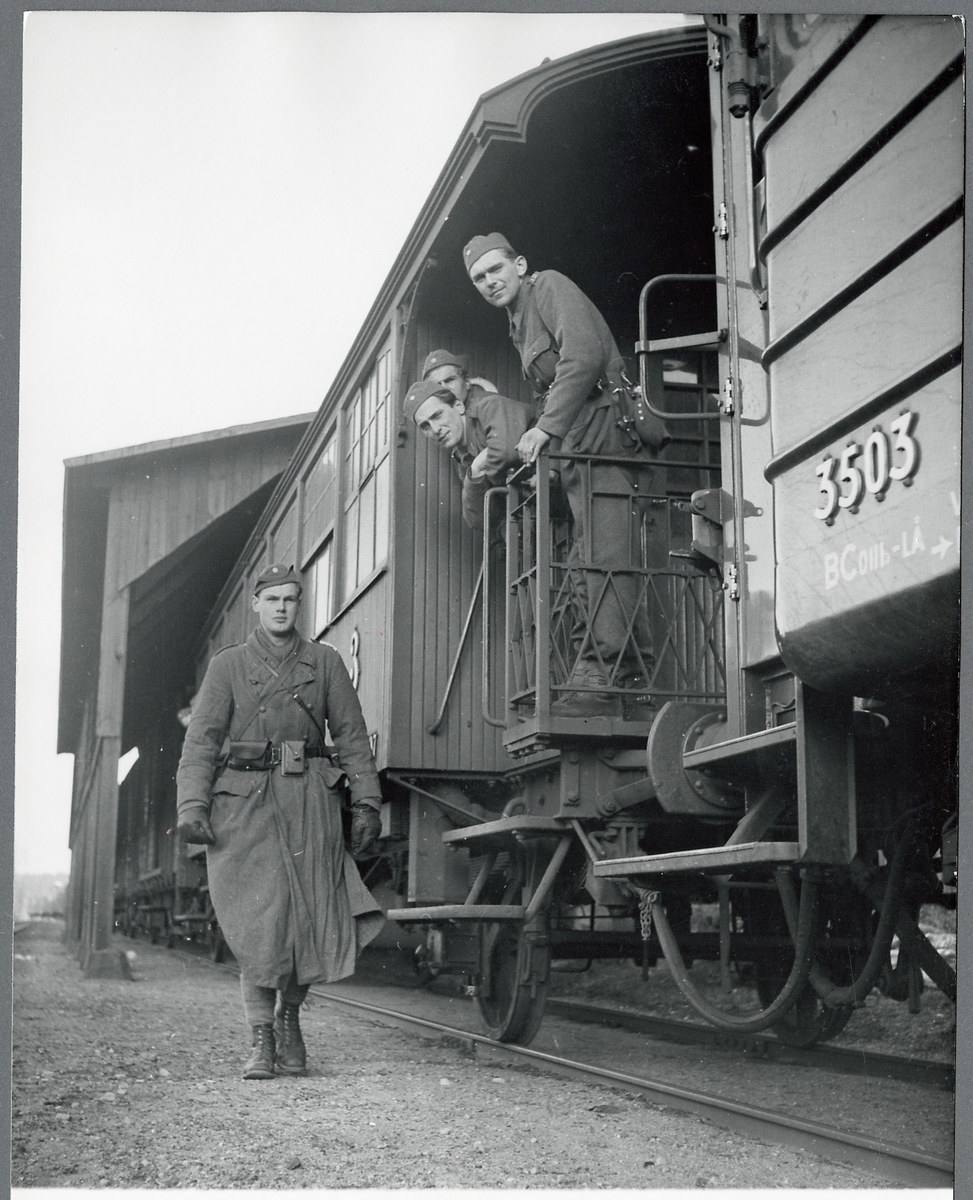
(167, 520)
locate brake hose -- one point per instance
(796, 981)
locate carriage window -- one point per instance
(320, 493)
(366, 448)
(284, 536)
(321, 589)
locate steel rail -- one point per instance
(914, 1168)
(918, 1071)
(911, 1167)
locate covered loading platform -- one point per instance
(151, 533)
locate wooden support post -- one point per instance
(826, 809)
(72, 906)
(97, 957)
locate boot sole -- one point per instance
(291, 1070)
(258, 1074)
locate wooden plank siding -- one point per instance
(439, 562)
(162, 502)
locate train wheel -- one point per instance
(515, 958)
(515, 974)
(844, 916)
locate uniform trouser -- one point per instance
(610, 623)
(259, 1002)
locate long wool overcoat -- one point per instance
(287, 893)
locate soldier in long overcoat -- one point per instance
(255, 786)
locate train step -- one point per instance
(737, 755)
(711, 858)
(459, 912)
(500, 831)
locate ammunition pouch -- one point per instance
(292, 757)
(249, 756)
(632, 414)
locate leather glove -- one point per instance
(366, 825)
(196, 830)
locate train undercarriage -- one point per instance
(796, 856)
(812, 940)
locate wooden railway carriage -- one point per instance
(767, 212)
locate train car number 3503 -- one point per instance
(868, 469)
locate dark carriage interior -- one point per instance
(612, 187)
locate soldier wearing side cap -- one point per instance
(452, 370)
(480, 428)
(255, 786)
(570, 358)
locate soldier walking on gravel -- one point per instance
(255, 786)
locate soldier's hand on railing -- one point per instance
(531, 444)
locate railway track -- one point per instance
(924, 1072)
(898, 1164)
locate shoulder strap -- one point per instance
(297, 700)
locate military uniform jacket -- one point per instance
(287, 894)
(496, 424)
(565, 348)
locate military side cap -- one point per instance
(276, 575)
(419, 393)
(484, 242)
(442, 358)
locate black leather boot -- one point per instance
(291, 1051)
(260, 1064)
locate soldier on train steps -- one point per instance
(570, 358)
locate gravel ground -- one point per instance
(137, 1085)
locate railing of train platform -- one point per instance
(557, 587)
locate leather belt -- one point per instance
(273, 758)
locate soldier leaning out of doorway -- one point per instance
(254, 786)
(571, 360)
(468, 418)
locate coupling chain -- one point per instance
(646, 899)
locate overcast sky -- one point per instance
(210, 205)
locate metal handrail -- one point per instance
(434, 727)
(496, 722)
(642, 349)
